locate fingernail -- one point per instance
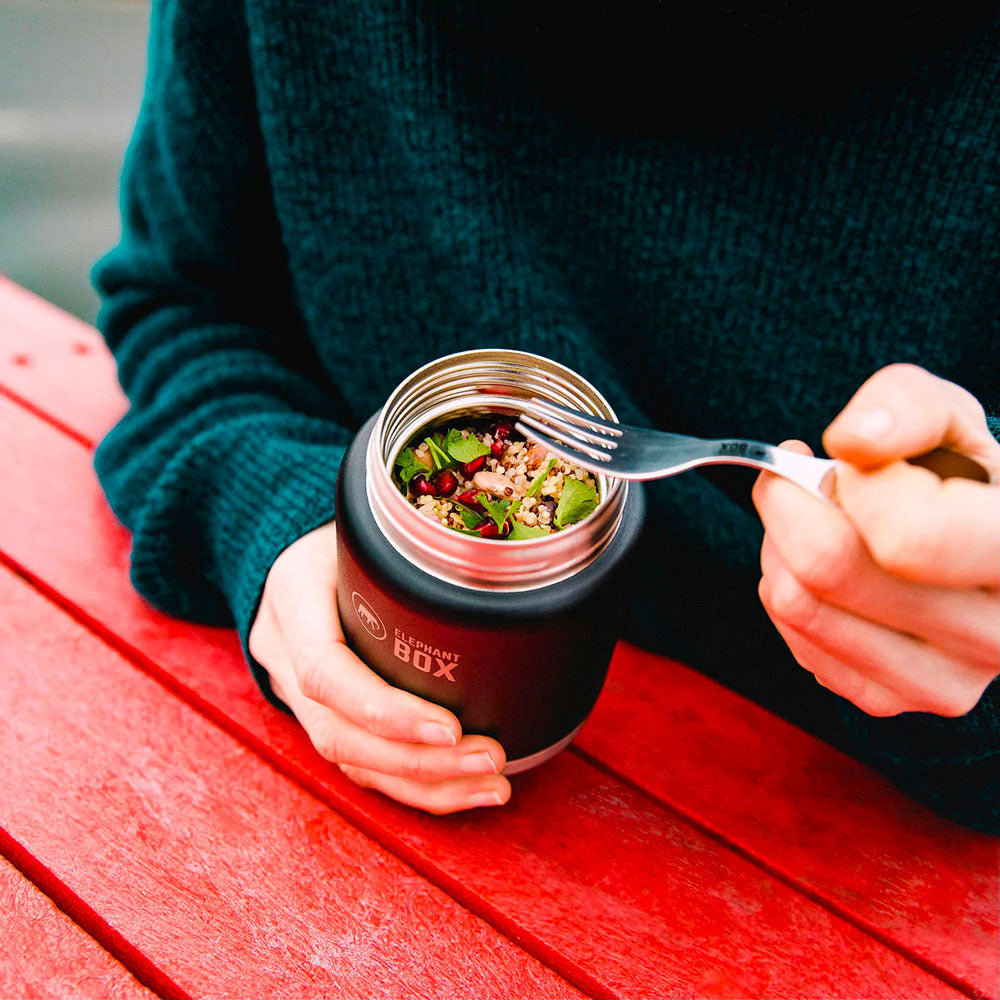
(486, 799)
(477, 763)
(872, 425)
(436, 734)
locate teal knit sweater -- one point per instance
(725, 226)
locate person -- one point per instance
(735, 221)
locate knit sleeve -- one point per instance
(952, 765)
(231, 446)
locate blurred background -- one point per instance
(71, 74)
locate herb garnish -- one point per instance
(464, 449)
(577, 501)
(409, 465)
(441, 458)
(522, 532)
(497, 509)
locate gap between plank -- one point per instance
(47, 418)
(472, 902)
(545, 954)
(143, 969)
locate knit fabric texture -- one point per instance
(726, 231)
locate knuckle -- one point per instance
(827, 561)
(958, 702)
(311, 671)
(902, 543)
(374, 715)
(905, 371)
(877, 704)
(868, 696)
(356, 775)
(792, 603)
(255, 644)
(418, 767)
(329, 745)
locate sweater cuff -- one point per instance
(259, 488)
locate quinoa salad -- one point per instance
(485, 480)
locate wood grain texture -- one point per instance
(807, 810)
(609, 888)
(224, 873)
(45, 954)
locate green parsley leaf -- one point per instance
(522, 532)
(408, 466)
(577, 501)
(442, 460)
(497, 509)
(464, 449)
(536, 486)
(470, 518)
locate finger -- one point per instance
(922, 528)
(340, 741)
(328, 672)
(828, 556)
(961, 623)
(904, 411)
(834, 674)
(918, 673)
(440, 797)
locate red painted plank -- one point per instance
(807, 810)
(227, 875)
(588, 873)
(946, 878)
(45, 954)
(57, 363)
(790, 821)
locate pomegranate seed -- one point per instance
(497, 448)
(490, 530)
(502, 431)
(445, 483)
(421, 486)
(469, 469)
(470, 499)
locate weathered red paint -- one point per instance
(806, 810)
(45, 954)
(57, 363)
(221, 871)
(602, 883)
(756, 790)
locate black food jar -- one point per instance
(514, 637)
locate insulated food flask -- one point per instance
(514, 637)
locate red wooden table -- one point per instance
(167, 832)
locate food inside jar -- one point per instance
(486, 480)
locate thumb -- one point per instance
(903, 411)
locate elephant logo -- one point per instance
(367, 617)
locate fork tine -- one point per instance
(576, 453)
(572, 433)
(564, 413)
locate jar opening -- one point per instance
(465, 386)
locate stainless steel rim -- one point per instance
(461, 384)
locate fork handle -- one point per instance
(810, 473)
(804, 470)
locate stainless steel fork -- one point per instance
(638, 453)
